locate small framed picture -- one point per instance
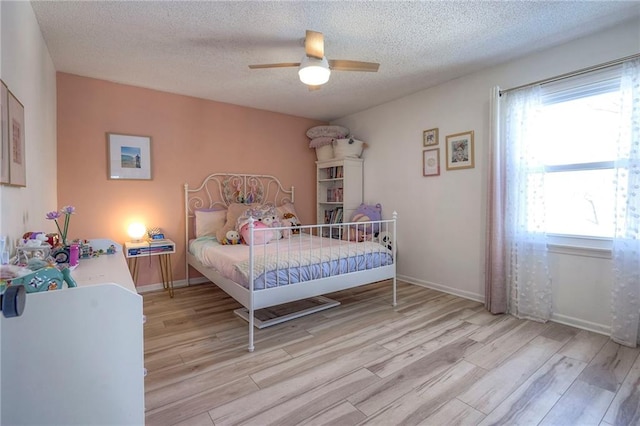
(17, 153)
(460, 151)
(129, 156)
(430, 137)
(4, 153)
(431, 162)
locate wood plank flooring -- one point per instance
(434, 359)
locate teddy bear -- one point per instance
(290, 220)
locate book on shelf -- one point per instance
(338, 215)
(334, 172)
(334, 195)
(333, 216)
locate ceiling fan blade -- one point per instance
(314, 44)
(312, 87)
(281, 65)
(347, 65)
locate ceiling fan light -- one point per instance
(314, 72)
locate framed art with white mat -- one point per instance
(460, 151)
(129, 156)
(431, 162)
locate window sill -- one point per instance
(580, 246)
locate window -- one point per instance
(578, 130)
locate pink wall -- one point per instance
(191, 138)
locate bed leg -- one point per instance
(251, 347)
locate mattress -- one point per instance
(302, 257)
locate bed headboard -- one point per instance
(222, 189)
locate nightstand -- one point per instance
(134, 250)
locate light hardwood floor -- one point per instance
(434, 359)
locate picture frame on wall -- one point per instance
(460, 151)
(129, 157)
(17, 153)
(4, 148)
(430, 137)
(431, 162)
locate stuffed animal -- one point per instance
(265, 214)
(232, 238)
(290, 220)
(384, 238)
(260, 237)
(365, 213)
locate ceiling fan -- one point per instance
(315, 68)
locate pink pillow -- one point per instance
(261, 237)
(208, 221)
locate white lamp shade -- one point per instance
(136, 231)
(314, 72)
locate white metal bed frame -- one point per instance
(222, 189)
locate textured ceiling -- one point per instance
(203, 49)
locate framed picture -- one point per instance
(431, 162)
(17, 159)
(460, 151)
(4, 148)
(129, 156)
(430, 137)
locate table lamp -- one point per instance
(136, 231)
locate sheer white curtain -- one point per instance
(625, 327)
(517, 194)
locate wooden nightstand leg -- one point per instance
(133, 268)
(170, 275)
(161, 263)
(166, 273)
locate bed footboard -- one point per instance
(316, 260)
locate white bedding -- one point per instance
(289, 260)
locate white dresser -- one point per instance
(75, 356)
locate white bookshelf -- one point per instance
(340, 188)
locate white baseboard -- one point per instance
(582, 324)
(176, 284)
(559, 318)
(443, 288)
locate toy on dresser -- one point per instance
(44, 279)
(32, 245)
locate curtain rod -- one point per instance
(575, 73)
